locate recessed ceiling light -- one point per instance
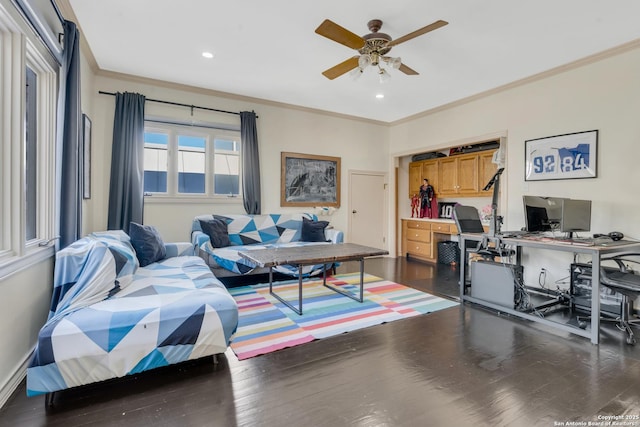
(380, 95)
(207, 55)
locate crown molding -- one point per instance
(211, 92)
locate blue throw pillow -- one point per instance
(313, 231)
(147, 242)
(217, 230)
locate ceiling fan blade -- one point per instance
(407, 70)
(335, 32)
(417, 33)
(341, 68)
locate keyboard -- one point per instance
(516, 233)
(608, 242)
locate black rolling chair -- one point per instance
(623, 281)
(468, 220)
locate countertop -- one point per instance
(444, 220)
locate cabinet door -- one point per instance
(468, 175)
(486, 170)
(430, 171)
(415, 178)
(447, 176)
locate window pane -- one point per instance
(191, 164)
(31, 154)
(155, 162)
(225, 144)
(227, 166)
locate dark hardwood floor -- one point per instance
(463, 366)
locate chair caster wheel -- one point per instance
(631, 340)
(582, 324)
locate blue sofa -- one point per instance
(109, 317)
(247, 232)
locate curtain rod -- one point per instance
(179, 104)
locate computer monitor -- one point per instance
(542, 213)
(576, 216)
(537, 219)
(556, 214)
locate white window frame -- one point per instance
(19, 48)
(210, 135)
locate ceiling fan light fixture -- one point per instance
(364, 61)
(384, 75)
(372, 47)
(356, 73)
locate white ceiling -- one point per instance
(269, 50)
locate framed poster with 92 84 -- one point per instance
(569, 156)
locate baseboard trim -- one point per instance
(14, 381)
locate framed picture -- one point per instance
(308, 180)
(86, 154)
(569, 156)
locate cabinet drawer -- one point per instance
(419, 235)
(441, 228)
(419, 249)
(422, 225)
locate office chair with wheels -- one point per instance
(468, 220)
(623, 281)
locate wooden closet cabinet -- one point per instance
(486, 170)
(458, 175)
(462, 175)
(415, 178)
(420, 170)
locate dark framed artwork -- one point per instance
(86, 155)
(568, 156)
(309, 180)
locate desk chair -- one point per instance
(468, 221)
(623, 281)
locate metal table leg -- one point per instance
(282, 300)
(348, 294)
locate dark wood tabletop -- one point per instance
(312, 254)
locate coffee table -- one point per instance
(311, 255)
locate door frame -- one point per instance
(385, 207)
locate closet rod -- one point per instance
(179, 104)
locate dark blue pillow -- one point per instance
(147, 242)
(217, 230)
(313, 231)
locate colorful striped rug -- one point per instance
(267, 325)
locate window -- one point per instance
(156, 146)
(31, 154)
(181, 161)
(227, 166)
(28, 82)
(191, 164)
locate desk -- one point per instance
(596, 253)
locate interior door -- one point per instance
(368, 207)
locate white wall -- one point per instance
(602, 95)
(361, 145)
(24, 307)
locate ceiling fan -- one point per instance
(373, 48)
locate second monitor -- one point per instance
(556, 214)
